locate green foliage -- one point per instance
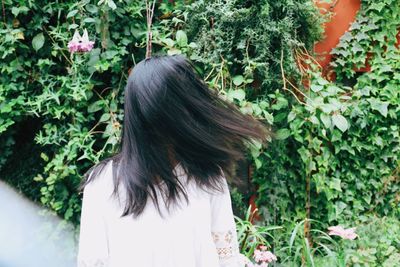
(241, 41)
(251, 235)
(344, 140)
(377, 244)
(77, 97)
(335, 150)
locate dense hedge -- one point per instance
(335, 155)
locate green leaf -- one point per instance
(38, 41)
(340, 122)
(258, 163)
(111, 4)
(380, 106)
(72, 13)
(335, 184)
(105, 117)
(181, 38)
(280, 103)
(291, 116)
(282, 134)
(89, 20)
(92, 8)
(96, 106)
(326, 120)
(15, 11)
(314, 120)
(237, 94)
(322, 81)
(316, 87)
(269, 117)
(238, 80)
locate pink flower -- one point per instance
(343, 233)
(80, 43)
(263, 256)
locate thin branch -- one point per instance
(149, 16)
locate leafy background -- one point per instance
(334, 158)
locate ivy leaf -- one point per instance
(355, 26)
(340, 122)
(361, 36)
(340, 61)
(282, 134)
(335, 184)
(381, 107)
(377, 6)
(357, 48)
(347, 37)
(385, 68)
(38, 41)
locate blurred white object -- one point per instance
(30, 236)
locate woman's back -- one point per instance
(170, 115)
(200, 233)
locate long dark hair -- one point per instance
(170, 117)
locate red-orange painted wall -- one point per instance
(344, 13)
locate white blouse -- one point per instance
(199, 234)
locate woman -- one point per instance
(163, 200)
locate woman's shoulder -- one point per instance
(98, 180)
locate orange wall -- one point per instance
(344, 13)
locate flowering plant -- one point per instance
(80, 43)
(261, 257)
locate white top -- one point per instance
(200, 234)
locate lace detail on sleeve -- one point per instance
(227, 245)
(93, 262)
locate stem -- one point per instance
(62, 52)
(4, 12)
(149, 15)
(286, 80)
(307, 225)
(104, 29)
